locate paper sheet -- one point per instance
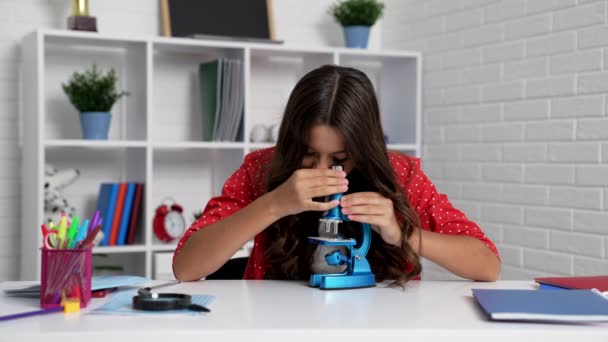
(122, 303)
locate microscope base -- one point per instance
(342, 281)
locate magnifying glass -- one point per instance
(148, 301)
(166, 301)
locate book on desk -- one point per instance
(573, 283)
(572, 306)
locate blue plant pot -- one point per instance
(356, 36)
(95, 125)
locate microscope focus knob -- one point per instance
(336, 258)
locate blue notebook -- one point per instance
(126, 215)
(543, 306)
(542, 286)
(106, 204)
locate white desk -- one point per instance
(292, 311)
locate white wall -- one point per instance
(296, 22)
(515, 123)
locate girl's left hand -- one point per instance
(375, 209)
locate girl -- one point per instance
(332, 118)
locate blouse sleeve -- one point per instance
(434, 209)
(237, 193)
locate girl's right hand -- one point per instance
(297, 193)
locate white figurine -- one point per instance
(274, 132)
(259, 133)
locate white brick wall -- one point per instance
(517, 91)
(296, 22)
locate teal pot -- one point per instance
(356, 36)
(95, 125)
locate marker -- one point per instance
(61, 231)
(72, 232)
(82, 233)
(94, 220)
(90, 237)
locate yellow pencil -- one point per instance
(61, 231)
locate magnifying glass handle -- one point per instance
(198, 308)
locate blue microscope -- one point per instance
(358, 272)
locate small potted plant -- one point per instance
(356, 18)
(93, 93)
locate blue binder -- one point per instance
(126, 215)
(106, 204)
(543, 306)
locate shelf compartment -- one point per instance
(176, 99)
(162, 265)
(170, 247)
(191, 178)
(395, 81)
(273, 74)
(134, 264)
(65, 55)
(99, 166)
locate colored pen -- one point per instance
(72, 232)
(61, 231)
(82, 233)
(31, 313)
(90, 237)
(94, 220)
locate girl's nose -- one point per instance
(323, 163)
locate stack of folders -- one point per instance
(120, 205)
(222, 99)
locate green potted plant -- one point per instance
(356, 18)
(93, 93)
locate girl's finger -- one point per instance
(366, 209)
(312, 173)
(322, 206)
(323, 181)
(325, 191)
(371, 219)
(362, 198)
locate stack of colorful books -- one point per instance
(120, 205)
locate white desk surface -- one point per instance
(292, 311)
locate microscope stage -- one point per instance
(332, 241)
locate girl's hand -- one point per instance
(375, 209)
(296, 194)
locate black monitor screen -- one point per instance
(236, 18)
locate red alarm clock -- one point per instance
(169, 223)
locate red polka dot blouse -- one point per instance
(248, 183)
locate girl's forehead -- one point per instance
(324, 138)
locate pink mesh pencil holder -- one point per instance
(65, 273)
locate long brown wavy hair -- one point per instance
(344, 99)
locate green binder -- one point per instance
(209, 76)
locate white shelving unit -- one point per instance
(155, 134)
